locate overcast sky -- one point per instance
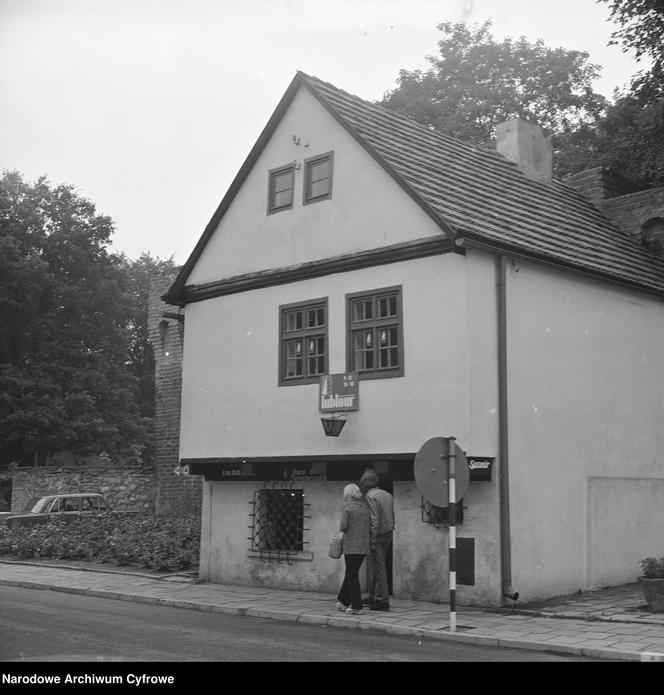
(149, 107)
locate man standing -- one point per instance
(381, 506)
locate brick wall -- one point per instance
(175, 493)
(616, 198)
(124, 489)
(629, 212)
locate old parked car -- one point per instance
(66, 506)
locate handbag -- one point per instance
(336, 545)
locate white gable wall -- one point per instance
(367, 209)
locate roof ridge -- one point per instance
(409, 120)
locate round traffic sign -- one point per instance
(431, 471)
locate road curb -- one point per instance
(347, 622)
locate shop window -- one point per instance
(277, 527)
(281, 186)
(318, 178)
(375, 333)
(303, 343)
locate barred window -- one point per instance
(375, 333)
(440, 516)
(278, 521)
(303, 342)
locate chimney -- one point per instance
(525, 144)
(599, 184)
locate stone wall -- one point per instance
(638, 214)
(630, 212)
(123, 489)
(175, 493)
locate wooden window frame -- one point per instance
(308, 164)
(375, 323)
(272, 174)
(305, 334)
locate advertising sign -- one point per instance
(339, 392)
(480, 467)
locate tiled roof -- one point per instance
(471, 193)
(482, 193)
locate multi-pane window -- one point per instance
(375, 333)
(278, 520)
(282, 183)
(318, 178)
(303, 342)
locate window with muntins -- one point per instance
(318, 178)
(303, 342)
(375, 333)
(282, 185)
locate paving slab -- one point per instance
(600, 624)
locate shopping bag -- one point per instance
(336, 545)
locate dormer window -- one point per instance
(282, 184)
(318, 178)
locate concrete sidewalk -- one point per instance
(607, 624)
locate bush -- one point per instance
(146, 540)
(652, 568)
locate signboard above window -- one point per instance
(339, 392)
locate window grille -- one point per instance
(440, 516)
(277, 528)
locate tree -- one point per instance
(477, 82)
(64, 345)
(642, 31)
(630, 138)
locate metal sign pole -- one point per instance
(451, 469)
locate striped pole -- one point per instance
(451, 474)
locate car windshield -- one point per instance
(36, 504)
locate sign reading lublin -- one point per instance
(339, 392)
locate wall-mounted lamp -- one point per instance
(296, 165)
(333, 424)
(296, 139)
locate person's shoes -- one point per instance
(355, 611)
(368, 601)
(379, 606)
(341, 607)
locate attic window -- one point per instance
(318, 178)
(652, 235)
(282, 183)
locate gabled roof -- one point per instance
(470, 193)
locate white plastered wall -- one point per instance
(586, 408)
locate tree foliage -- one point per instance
(65, 350)
(477, 82)
(630, 138)
(641, 30)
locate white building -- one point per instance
(475, 297)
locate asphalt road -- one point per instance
(51, 626)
